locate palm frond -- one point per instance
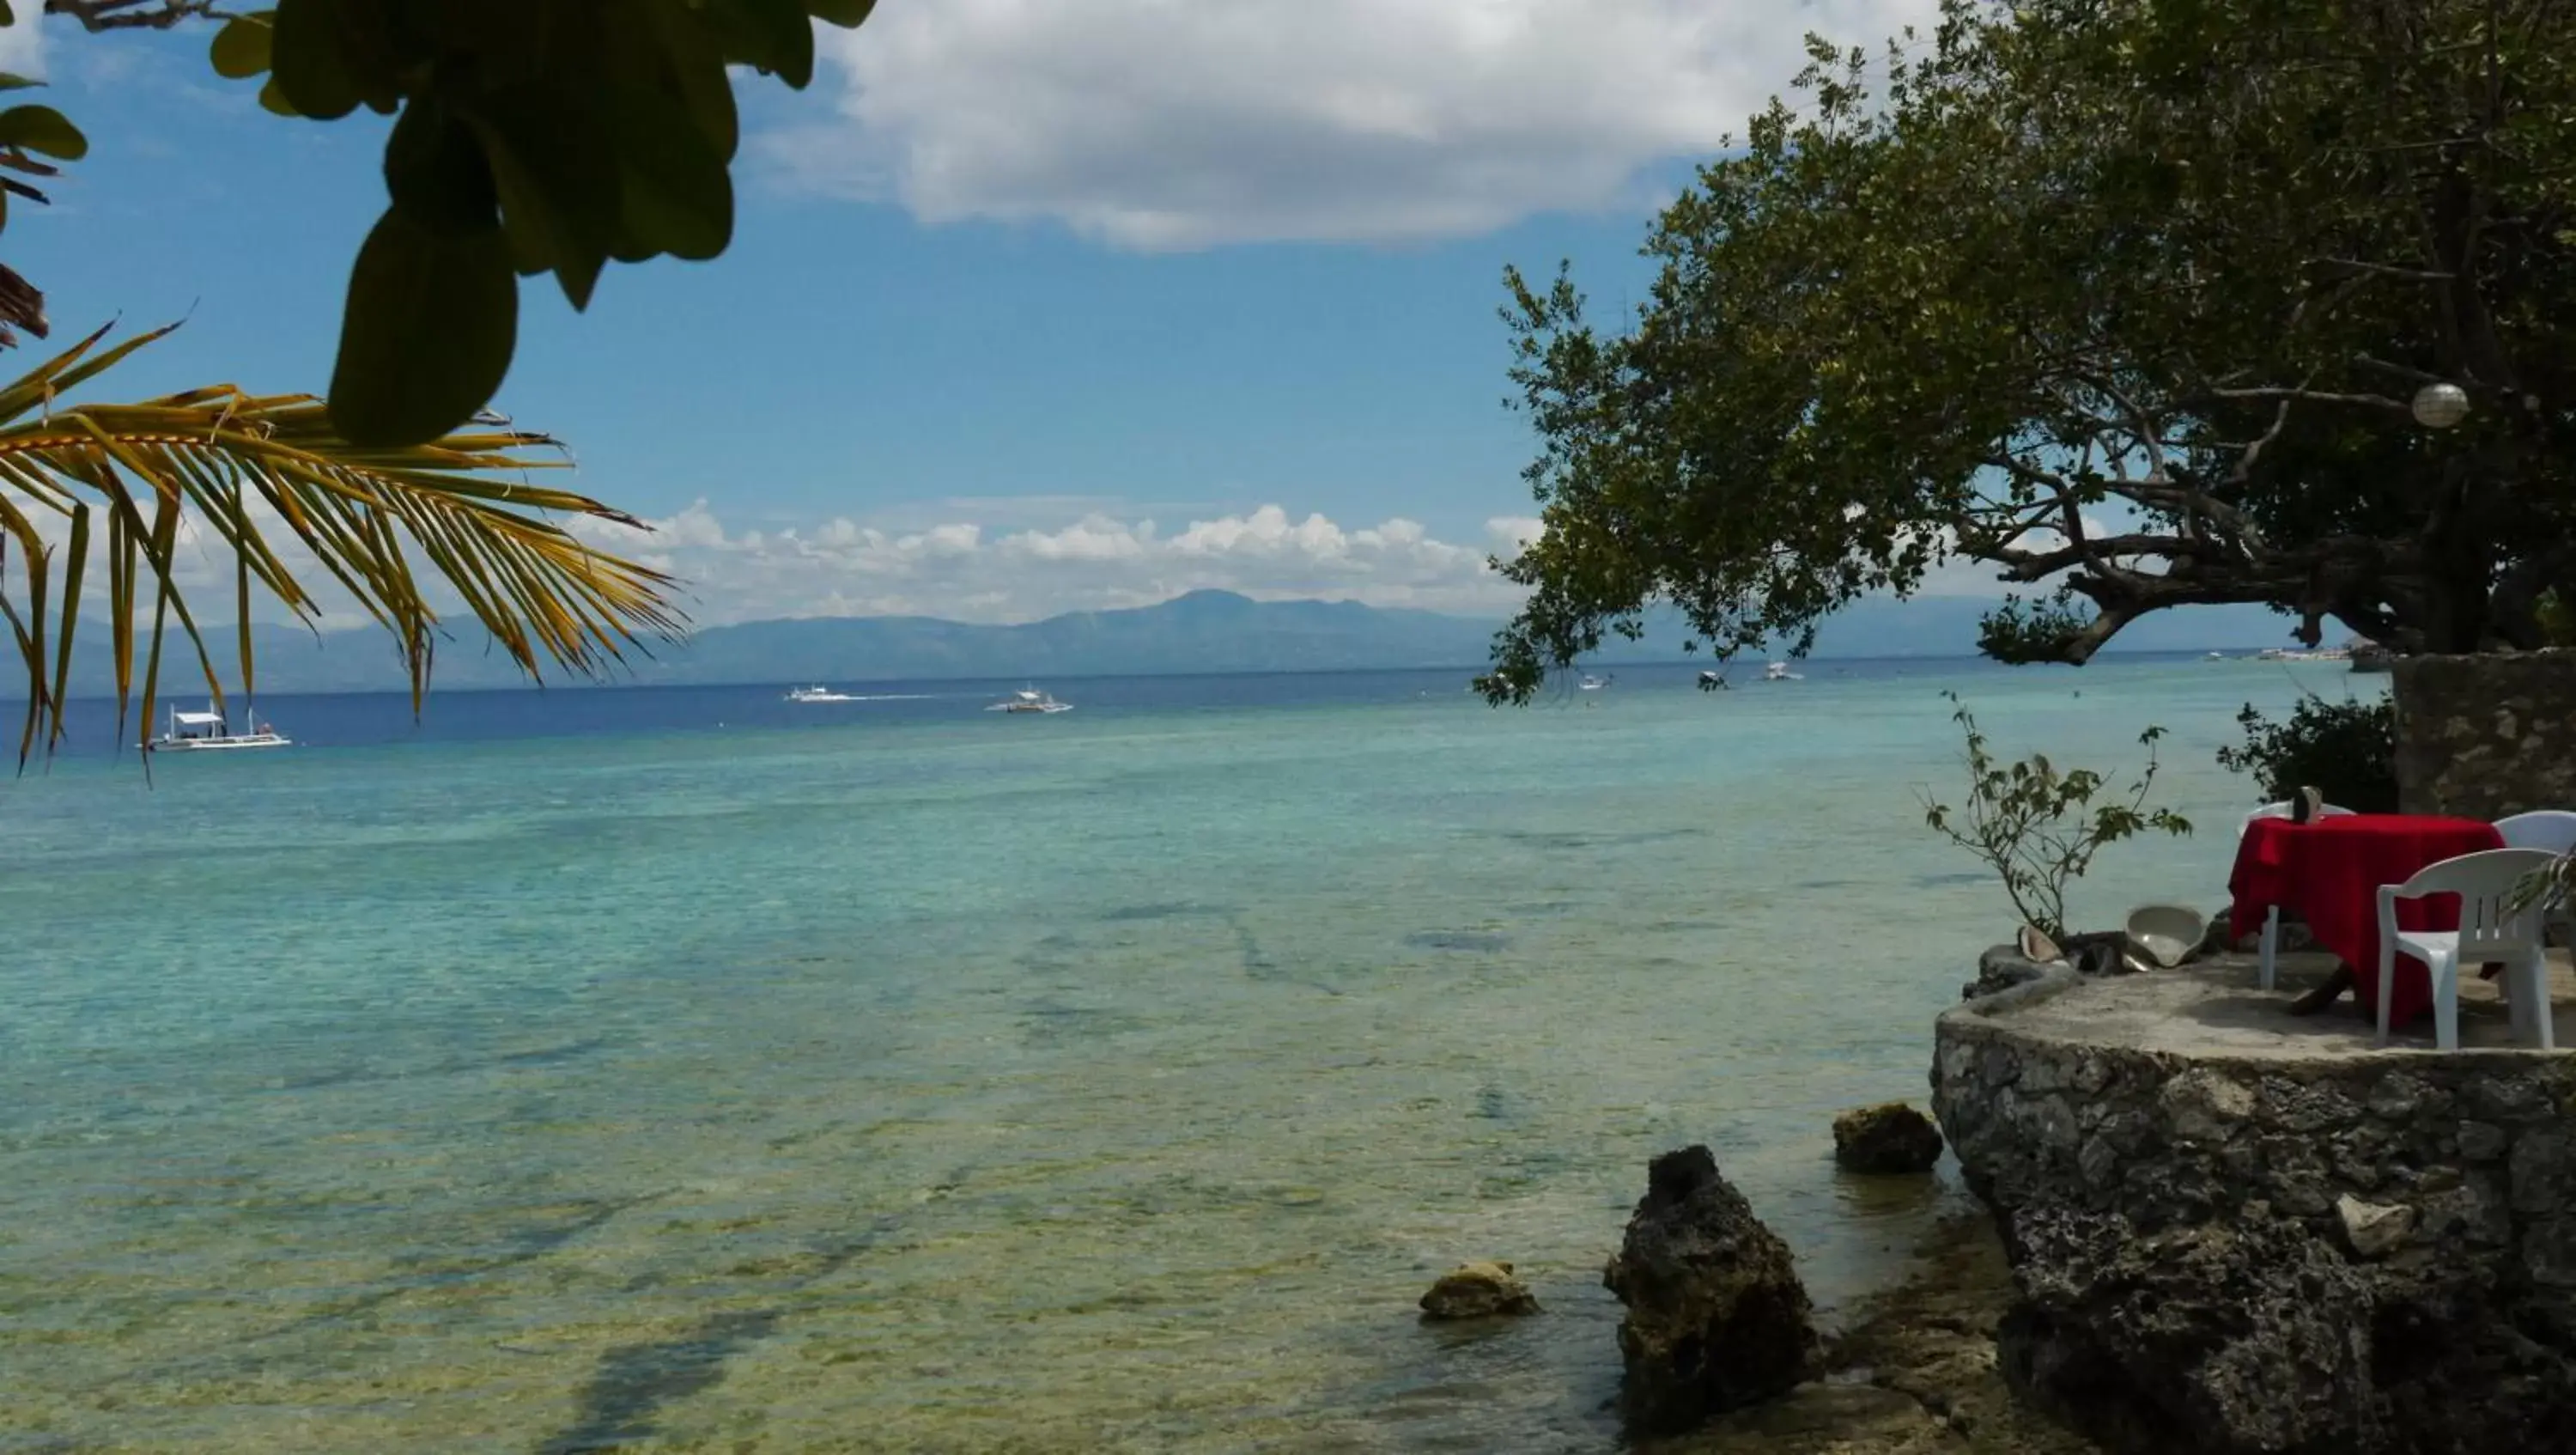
(383, 524)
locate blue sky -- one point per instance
(1027, 309)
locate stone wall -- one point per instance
(2370, 1252)
(2486, 736)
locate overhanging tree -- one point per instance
(532, 137)
(2127, 299)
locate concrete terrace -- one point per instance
(2211, 1008)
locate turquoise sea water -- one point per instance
(581, 1074)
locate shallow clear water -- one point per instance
(917, 1079)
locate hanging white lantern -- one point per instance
(2440, 406)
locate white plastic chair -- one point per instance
(2272, 916)
(2551, 829)
(2485, 882)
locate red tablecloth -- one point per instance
(2329, 873)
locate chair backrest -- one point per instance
(2283, 810)
(2550, 828)
(2485, 882)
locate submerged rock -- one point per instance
(1894, 1138)
(1478, 1291)
(1716, 1317)
(1842, 1418)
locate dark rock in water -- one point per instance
(1894, 1138)
(1846, 1417)
(1476, 942)
(1478, 1291)
(1717, 1318)
(2252, 1335)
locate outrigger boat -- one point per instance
(197, 732)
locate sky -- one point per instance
(1030, 307)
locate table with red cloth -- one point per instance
(2328, 873)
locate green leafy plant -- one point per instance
(2037, 826)
(531, 136)
(2346, 750)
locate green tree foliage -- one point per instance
(2039, 827)
(2346, 750)
(531, 136)
(2126, 299)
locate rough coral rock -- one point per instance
(1890, 1139)
(2373, 1230)
(1717, 1318)
(2248, 1336)
(2201, 1236)
(1481, 1290)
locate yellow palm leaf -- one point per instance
(381, 522)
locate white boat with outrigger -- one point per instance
(207, 731)
(817, 694)
(1030, 699)
(1779, 672)
(1712, 680)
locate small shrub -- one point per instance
(2347, 750)
(2039, 828)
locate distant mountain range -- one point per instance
(1204, 631)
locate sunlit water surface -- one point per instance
(580, 1073)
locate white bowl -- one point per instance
(2167, 932)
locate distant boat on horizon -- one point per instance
(817, 694)
(1779, 672)
(1030, 699)
(1590, 683)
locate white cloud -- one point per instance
(972, 572)
(1168, 124)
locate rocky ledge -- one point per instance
(2233, 1230)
